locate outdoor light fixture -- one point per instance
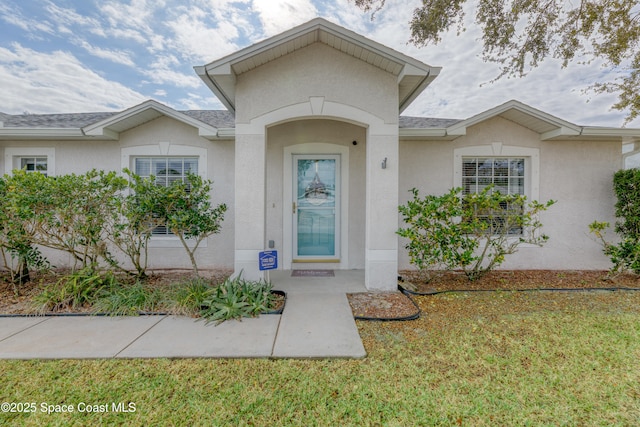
(384, 163)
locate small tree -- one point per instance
(472, 232)
(133, 220)
(625, 255)
(185, 209)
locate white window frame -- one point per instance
(531, 158)
(165, 149)
(13, 155)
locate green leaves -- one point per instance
(237, 298)
(520, 34)
(90, 215)
(472, 232)
(624, 255)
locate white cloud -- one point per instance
(199, 38)
(117, 56)
(164, 71)
(68, 19)
(280, 15)
(132, 21)
(56, 82)
(14, 16)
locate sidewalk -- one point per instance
(316, 323)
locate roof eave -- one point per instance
(43, 133)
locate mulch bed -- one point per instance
(382, 306)
(397, 306)
(510, 280)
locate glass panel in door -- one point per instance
(316, 206)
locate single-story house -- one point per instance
(313, 157)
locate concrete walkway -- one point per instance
(316, 323)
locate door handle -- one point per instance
(293, 206)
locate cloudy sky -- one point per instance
(108, 55)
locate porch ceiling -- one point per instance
(413, 75)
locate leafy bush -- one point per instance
(473, 232)
(133, 221)
(236, 298)
(73, 215)
(625, 255)
(77, 289)
(17, 234)
(185, 209)
(89, 215)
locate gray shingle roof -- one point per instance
(70, 120)
(424, 122)
(215, 118)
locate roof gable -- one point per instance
(413, 76)
(549, 127)
(143, 113)
(545, 124)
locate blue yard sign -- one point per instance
(268, 260)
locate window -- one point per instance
(161, 160)
(166, 171)
(31, 159)
(507, 176)
(34, 164)
(504, 173)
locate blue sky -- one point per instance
(87, 55)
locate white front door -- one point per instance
(316, 208)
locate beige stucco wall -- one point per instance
(317, 131)
(82, 156)
(316, 70)
(577, 174)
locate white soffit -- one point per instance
(413, 75)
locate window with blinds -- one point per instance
(166, 170)
(506, 175)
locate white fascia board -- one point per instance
(421, 133)
(559, 132)
(41, 133)
(228, 100)
(611, 132)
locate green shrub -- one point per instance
(17, 231)
(186, 210)
(236, 298)
(473, 232)
(625, 255)
(77, 289)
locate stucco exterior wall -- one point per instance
(81, 156)
(316, 70)
(577, 174)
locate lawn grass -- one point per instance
(473, 360)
